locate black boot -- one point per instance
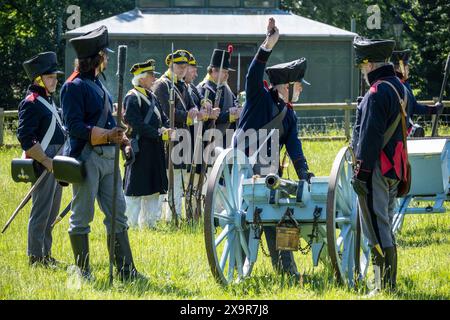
(35, 261)
(80, 247)
(51, 262)
(390, 269)
(123, 258)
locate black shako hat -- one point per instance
(288, 72)
(398, 56)
(369, 50)
(216, 59)
(91, 43)
(147, 66)
(42, 63)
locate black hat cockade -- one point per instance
(91, 43)
(398, 56)
(288, 72)
(147, 66)
(368, 50)
(40, 64)
(180, 56)
(216, 58)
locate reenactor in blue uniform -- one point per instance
(145, 177)
(262, 106)
(185, 111)
(400, 59)
(41, 135)
(87, 109)
(228, 104)
(380, 153)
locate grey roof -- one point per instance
(201, 23)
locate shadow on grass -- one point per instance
(145, 286)
(317, 282)
(423, 236)
(407, 290)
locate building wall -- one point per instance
(329, 70)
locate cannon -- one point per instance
(430, 168)
(325, 214)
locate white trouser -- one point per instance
(178, 194)
(143, 211)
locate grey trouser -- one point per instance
(46, 201)
(381, 202)
(99, 183)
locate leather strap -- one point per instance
(401, 116)
(52, 127)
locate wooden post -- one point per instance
(347, 124)
(347, 119)
(2, 121)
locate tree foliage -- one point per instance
(426, 31)
(29, 27)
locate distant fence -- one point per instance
(324, 127)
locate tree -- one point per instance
(29, 27)
(426, 31)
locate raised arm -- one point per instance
(254, 85)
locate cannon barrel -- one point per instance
(274, 182)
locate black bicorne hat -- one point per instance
(180, 56)
(193, 61)
(368, 50)
(40, 64)
(400, 55)
(147, 66)
(216, 59)
(288, 72)
(91, 43)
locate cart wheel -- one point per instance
(230, 241)
(348, 249)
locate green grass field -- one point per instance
(175, 260)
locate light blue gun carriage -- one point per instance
(429, 159)
(238, 204)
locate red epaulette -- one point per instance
(32, 96)
(73, 76)
(266, 85)
(374, 87)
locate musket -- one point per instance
(434, 130)
(28, 195)
(121, 59)
(238, 81)
(62, 214)
(171, 196)
(25, 199)
(212, 126)
(196, 154)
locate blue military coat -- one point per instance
(35, 118)
(376, 112)
(258, 110)
(82, 108)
